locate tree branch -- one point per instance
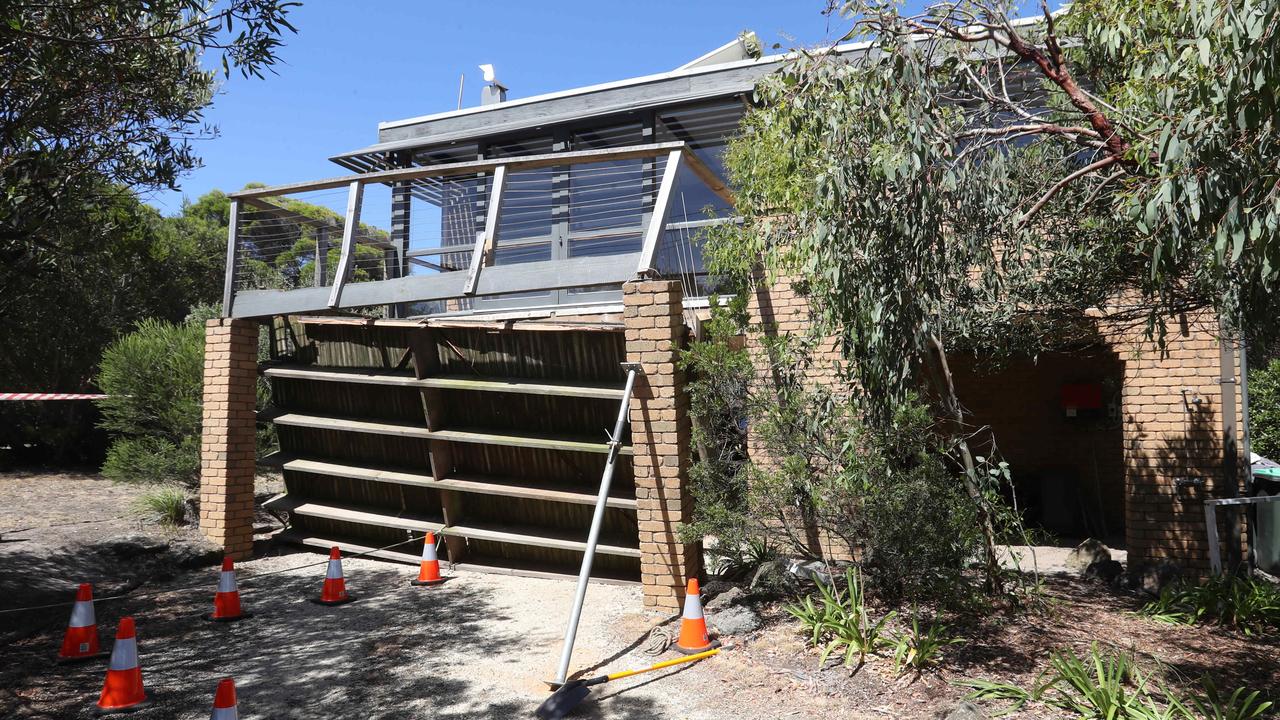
(1057, 187)
(1029, 128)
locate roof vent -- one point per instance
(494, 92)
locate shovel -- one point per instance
(571, 694)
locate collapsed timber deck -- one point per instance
(491, 438)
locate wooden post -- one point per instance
(229, 281)
(489, 238)
(322, 255)
(661, 208)
(355, 195)
(426, 363)
(401, 215)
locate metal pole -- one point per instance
(1251, 513)
(597, 520)
(1244, 412)
(1230, 446)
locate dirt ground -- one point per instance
(480, 645)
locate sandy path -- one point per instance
(477, 647)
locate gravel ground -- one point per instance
(477, 647)
(1047, 559)
(480, 645)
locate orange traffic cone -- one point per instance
(224, 701)
(122, 690)
(429, 573)
(693, 626)
(226, 601)
(335, 587)
(81, 640)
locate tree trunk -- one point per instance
(936, 358)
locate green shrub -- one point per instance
(883, 488)
(152, 460)
(916, 649)
(736, 563)
(153, 376)
(1248, 604)
(166, 505)
(841, 623)
(1264, 410)
(1241, 704)
(1107, 684)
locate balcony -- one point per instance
(527, 230)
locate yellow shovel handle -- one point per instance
(665, 664)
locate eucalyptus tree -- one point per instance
(964, 178)
(100, 93)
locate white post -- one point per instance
(661, 209)
(229, 280)
(487, 240)
(354, 196)
(1211, 527)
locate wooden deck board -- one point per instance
(307, 508)
(528, 440)
(412, 556)
(478, 484)
(517, 535)
(602, 391)
(362, 376)
(537, 537)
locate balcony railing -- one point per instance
(535, 229)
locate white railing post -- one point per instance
(487, 241)
(661, 209)
(229, 280)
(354, 197)
(1211, 528)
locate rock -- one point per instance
(1086, 554)
(725, 600)
(814, 570)
(194, 553)
(1104, 570)
(773, 576)
(964, 711)
(712, 588)
(192, 513)
(734, 620)
(131, 546)
(1152, 577)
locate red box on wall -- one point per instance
(1082, 396)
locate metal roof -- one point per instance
(687, 84)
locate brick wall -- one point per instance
(777, 311)
(1164, 438)
(228, 444)
(660, 434)
(1171, 434)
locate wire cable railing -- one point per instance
(460, 230)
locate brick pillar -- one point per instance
(660, 431)
(228, 444)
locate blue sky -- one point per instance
(352, 65)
